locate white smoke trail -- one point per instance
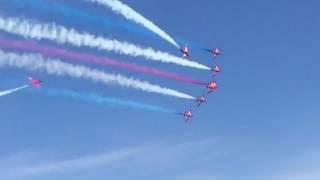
(132, 15)
(63, 35)
(3, 93)
(51, 66)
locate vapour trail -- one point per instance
(36, 62)
(63, 35)
(94, 98)
(132, 15)
(80, 16)
(10, 91)
(71, 55)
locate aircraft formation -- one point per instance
(210, 86)
(47, 56)
(187, 114)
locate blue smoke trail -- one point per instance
(104, 21)
(72, 13)
(94, 98)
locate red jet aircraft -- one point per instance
(187, 115)
(216, 69)
(200, 100)
(34, 82)
(215, 52)
(212, 86)
(185, 52)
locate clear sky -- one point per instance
(262, 123)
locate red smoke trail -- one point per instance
(58, 52)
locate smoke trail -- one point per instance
(56, 67)
(94, 98)
(131, 14)
(56, 8)
(4, 93)
(62, 35)
(58, 52)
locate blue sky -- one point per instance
(262, 123)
